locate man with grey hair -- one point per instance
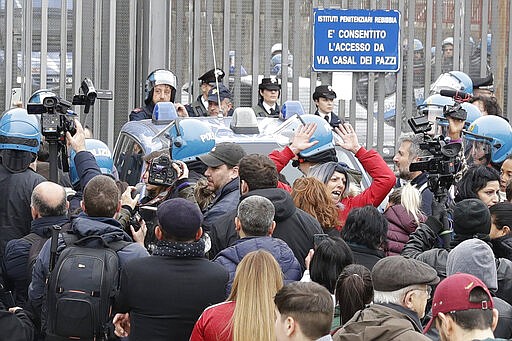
(401, 290)
(255, 224)
(48, 207)
(408, 152)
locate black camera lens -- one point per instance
(49, 102)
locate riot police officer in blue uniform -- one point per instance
(20, 138)
(208, 81)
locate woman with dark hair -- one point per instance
(327, 262)
(487, 105)
(354, 291)
(479, 182)
(310, 195)
(366, 233)
(501, 225)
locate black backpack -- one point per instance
(81, 289)
(36, 244)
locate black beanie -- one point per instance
(328, 155)
(471, 217)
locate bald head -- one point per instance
(48, 199)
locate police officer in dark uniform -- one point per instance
(324, 100)
(20, 138)
(200, 106)
(226, 101)
(269, 92)
(160, 87)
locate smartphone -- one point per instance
(318, 238)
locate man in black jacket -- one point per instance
(49, 207)
(168, 310)
(258, 176)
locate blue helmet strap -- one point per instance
(16, 161)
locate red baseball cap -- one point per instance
(452, 294)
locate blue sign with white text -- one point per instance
(356, 40)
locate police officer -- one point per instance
(324, 100)
(226, 101)
(269, 91)
(20, 138)
(208, 81)
(160, 87)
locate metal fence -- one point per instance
(117, 43)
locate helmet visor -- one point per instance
(445, 81)
(477, 149)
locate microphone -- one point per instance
(458, 96)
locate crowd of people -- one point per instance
(229, 250)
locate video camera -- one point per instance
(56, 118)
(443, 162)
(161, 171)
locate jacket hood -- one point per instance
(376, 322)
(275, 246)
(398, 216)
(474, 257)
(107, 228)
(282, 200)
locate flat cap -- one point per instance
(397, 272)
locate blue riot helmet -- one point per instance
(102, 155)
(39, 95)
(190, 138)
(453, 80)
(321, 152)
(488, 139)
(157, 77)
(20, 138)
(472, 113)
(433, 106)
(291, 108)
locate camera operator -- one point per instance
(173, 172)
(409, 151)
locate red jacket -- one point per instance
(214, 323)
(383, 179)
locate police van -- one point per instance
(259, 135)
